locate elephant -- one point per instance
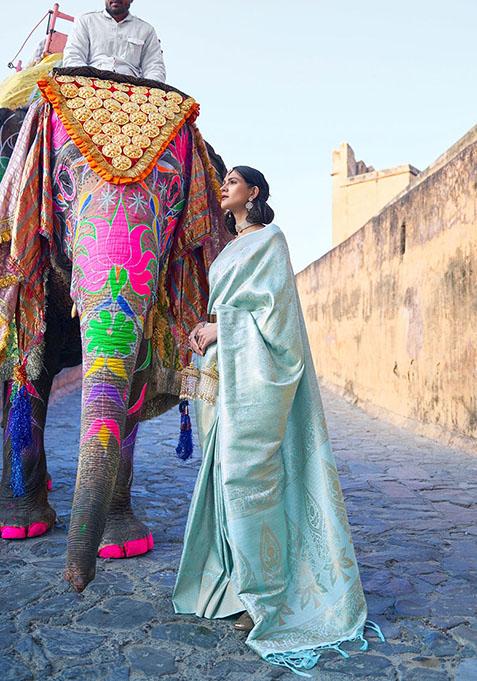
(104, 269)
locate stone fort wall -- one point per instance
(392, 311)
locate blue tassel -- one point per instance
(20, 436)
(185, 446)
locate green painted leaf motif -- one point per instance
(117, 281)
(123, 333)
(3, 165)
(147, 361)
(123, 277)
(179, 206)
(110, 336)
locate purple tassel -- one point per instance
(185, 446)
(20, 436)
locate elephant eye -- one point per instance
(66, 184)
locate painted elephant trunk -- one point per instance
(102, 431)
(115, 271)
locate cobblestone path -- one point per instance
(413, 512)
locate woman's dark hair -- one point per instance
(261, 211)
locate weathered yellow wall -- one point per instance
(360, 192)
(392, 312)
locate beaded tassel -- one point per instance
(19, 428)
(185, 446)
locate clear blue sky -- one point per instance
(283, 83)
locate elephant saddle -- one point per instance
(120, 128)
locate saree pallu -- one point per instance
(267, 529)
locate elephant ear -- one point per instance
(199, 238)
(183, 288)
(217, 162)
(163, 387)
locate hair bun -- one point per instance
(268, 214)
(261, 212)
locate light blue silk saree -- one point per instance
(267, 528)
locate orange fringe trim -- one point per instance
(97, 162)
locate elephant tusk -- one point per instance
(74, 311)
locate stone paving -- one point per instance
(412, 508)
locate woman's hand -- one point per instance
(202, 336)
(193, 337)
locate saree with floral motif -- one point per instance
(267, 529)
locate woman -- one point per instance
(267, 530)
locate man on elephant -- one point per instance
(115, 40)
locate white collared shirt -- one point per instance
(130, 46)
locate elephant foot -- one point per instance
(25, 517)
(33, 530)
(79, 578)
(124, 537)
(135, 547)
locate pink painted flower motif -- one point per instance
(181, 147)
(103, 429)
(59, 136)
(114, 245)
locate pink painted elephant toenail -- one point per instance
(135, 547)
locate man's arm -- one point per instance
(152, 62)
(76, 52)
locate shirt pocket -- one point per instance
(134, 50)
